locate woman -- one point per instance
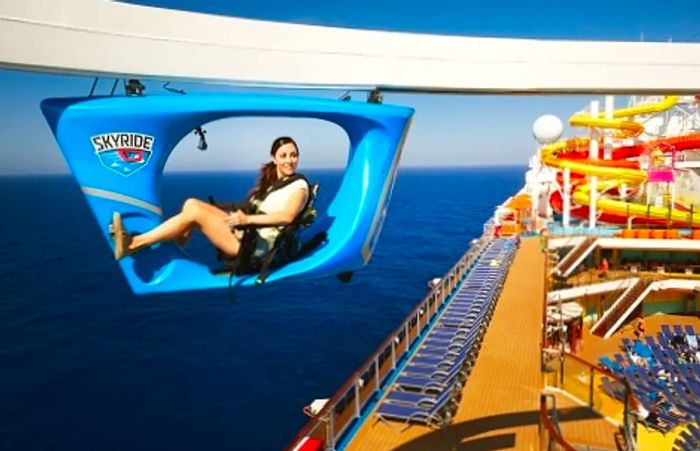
(640, 329)
(278, 207)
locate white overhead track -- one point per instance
(98, 37)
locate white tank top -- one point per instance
(277, 202)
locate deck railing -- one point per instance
(582, 380)
(361, 389)
(550, 434)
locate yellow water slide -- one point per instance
(616, 176)
(627, 128)
(663, 105)
(582, 196)
(549, 156)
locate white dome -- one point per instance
(547, 129)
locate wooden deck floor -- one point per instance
(499, 405)
(583, 426)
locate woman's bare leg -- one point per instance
(195, 213)
(185, 236)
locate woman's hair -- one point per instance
(268, 171)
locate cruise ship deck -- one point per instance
(499, 408)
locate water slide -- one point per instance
(626, 128)
(677, 216)
(569, 154)
(618, 211)
(550, 156)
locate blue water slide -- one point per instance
(117, 148)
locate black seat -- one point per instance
(286, 248)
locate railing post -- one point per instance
(330, 434)
(590, 388)
(357, 396)
(406, 337)
(540, 425)
(393, 354)
(376, 374)
(561, 369)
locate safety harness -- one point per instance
(287, 246)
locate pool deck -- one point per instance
(499, 408)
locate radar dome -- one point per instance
(547, 129)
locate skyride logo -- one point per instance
(123, 153)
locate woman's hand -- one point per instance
(236, 218)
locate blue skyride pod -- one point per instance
(117, 148)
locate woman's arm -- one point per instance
(294, 206)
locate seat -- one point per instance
(416, 399)
(436, 381)
(439, 414)
(287, 246)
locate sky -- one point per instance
(447, 130)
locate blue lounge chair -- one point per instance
(452, 322)
(437, 415)
(442, 361)
(609, 363)
(417, 399)
(438, 340)
(444, 346)
(449, 332)
(666, 331)
(438, 382)
(627, 344)
(612, 389)
(448, 351)
(436, 373)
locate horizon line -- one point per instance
(248, 170)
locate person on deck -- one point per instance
(603, 269)
(640, 329)
(279, 207)
(543, 240)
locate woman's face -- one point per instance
(286, 159)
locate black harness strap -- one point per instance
(243, 263)
(256, 199)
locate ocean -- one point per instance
(85, 364)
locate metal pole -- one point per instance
(376, 375)
(357, 396)
(330, 434)
(593, 155)
(607, 139)
(590, 388)
(628, 216)
(561, 370)
(114, 87)
(94, 85)
(566, 218)
(406, 340)
(648, 214)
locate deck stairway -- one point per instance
(621, 309)
(575, 256)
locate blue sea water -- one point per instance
(85, 364)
